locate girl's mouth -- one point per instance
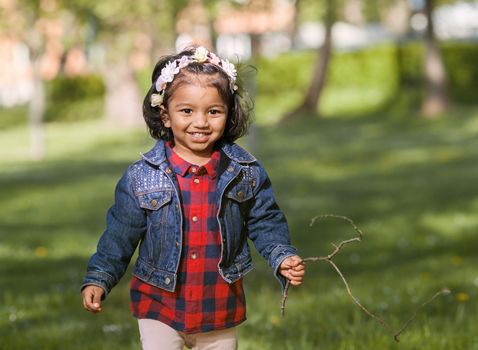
(199, 136)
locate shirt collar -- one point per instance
(183, 167)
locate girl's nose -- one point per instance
(201, 120)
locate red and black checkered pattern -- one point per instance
(202, 301)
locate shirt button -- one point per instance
(193, 169)
(167, 280)
(194, 256)
(195, 219)
(196, 181)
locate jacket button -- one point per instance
(230, 169)
(168, 170)
(240, 195)
(167, 280)
(154, 202)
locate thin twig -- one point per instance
(444, 291)
(328, 258)
(355, 300)
(284, 298)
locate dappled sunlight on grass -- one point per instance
(446, 224)
(408, 183)
(83, 139)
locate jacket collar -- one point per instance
(157, 154)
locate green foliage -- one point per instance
(143, 77)
(410, 63)
(460, 64)
(13, 117)
(281, 82)
(75, 98)
(408, 183)
(460, 61)
(361, 81)
(358, 81)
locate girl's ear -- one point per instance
(163, 113)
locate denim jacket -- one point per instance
(147, 211)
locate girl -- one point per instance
(191, 203)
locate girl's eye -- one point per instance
(215, 112)
(187, 110)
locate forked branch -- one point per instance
(328, 258)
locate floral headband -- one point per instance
(172, 68)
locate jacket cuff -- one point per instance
(278, 255)
(100, 279)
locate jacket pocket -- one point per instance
(240, 193)
(157, 206)
(154, 200)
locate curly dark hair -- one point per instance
(239, 104)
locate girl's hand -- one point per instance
(293, 268)
(92, 298)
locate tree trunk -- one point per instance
(36, 113)
(294, 30)
(256, 46)
(436, 101)
(123, 105)
(319, 77)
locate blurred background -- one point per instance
(362, 108)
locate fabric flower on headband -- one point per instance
(156, 100)
(201, 55)
(167, 75)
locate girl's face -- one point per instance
(197, 117)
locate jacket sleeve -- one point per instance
(267, 226)
(126, 225)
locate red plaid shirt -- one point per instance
(202, 301)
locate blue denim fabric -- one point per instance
(147, 212)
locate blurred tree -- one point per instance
(319, 77)
(436, 100)
(120, 29)
(41, 26)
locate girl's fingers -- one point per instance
(294, 283)
(293, 273)
(92, 299)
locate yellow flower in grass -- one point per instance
(462, 297)
(276, 321)
(457, 260)
(41, 252)
(425, 275)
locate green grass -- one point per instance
(408, 183)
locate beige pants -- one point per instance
(156, 335)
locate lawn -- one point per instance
(408, 183)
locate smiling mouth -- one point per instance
(200, 136)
